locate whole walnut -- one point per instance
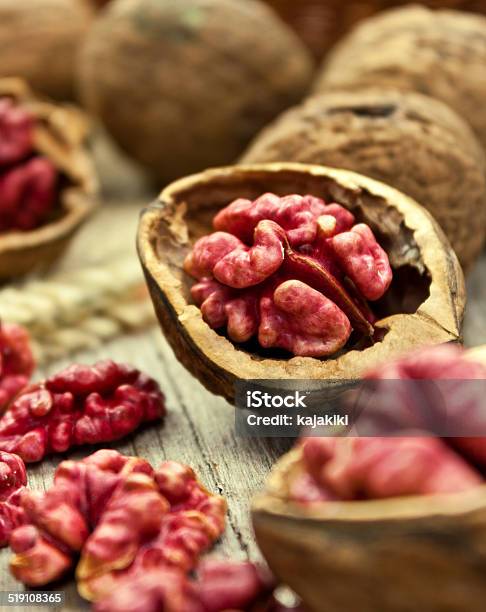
(39, 40)
(407, 140)
(320, 23)
(438, 53)
(185, 85)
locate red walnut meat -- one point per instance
(16, 361)
(27, 181)
(112, 510)
(79, 405)
(294, 271)
(221, 585)
(453, 397)
(16, 132)
(373, 468)
(13, 479)
(193, 521)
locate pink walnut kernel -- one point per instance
(193, 521)
(462, 401)
(16, 362)
(373, 468)
(13, 479)
(16, 132)
(27, 194)
(220, 586)
(59, 521)
(28, 181)
(292, 271)
(80, 405)
(121, 516)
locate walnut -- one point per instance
(396, 515)
(438, 53)
(185, 85)
(405, 139)
(39, 40)
(320, 24)
(423, 305)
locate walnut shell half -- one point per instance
(59, 134)
(424, 305)
(394, 555)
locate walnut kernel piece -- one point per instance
(47, 182)
(423, 305)
(79, 405)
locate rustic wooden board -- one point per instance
(199, 428)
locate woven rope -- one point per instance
(80, 310)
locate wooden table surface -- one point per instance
(199, 428)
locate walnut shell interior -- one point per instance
(425, 304)
(59, 135)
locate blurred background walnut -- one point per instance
(39, 41)
(438, 53)
(182, 86)
(320, 23)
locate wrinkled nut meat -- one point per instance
(27, 180)
(397, 502)
(374, 468)
(79, 405)
(377, 467)
(123, 519)
(323, 284)
(47, 184)
(16, 362)
(221, 585)
(294, 271)
(452, 398)
(13, 478)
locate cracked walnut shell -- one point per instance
(58, 135)
(424, 305)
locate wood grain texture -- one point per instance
(199, 429)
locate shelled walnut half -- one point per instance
(398, 516)
(47, 182)
(423, 305)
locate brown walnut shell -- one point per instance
(394, 555)
(39, 41)
(321, 23)
(425, 304)
(409, 141)
(211, 74)
(59, 135)
(438, 53)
